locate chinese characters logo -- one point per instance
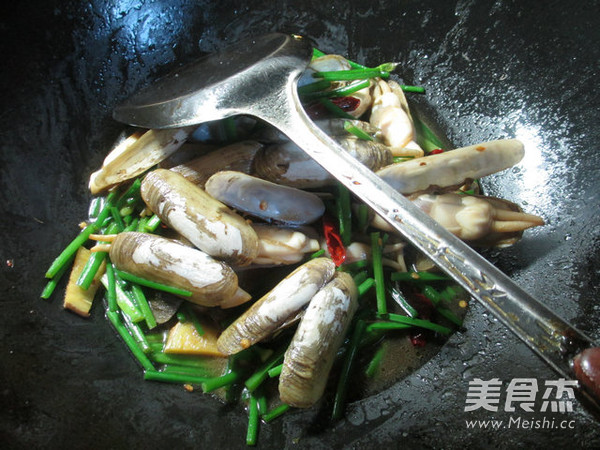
(521, 393)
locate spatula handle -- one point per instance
(552, 338)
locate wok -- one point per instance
(491, 70)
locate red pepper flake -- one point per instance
(422, 304)
(425, 310)
(418, 339)
(316, 110)
(263, 205)
(336, 249)
(436, 151)
(422, 163)
(480, 148)
(347, 104)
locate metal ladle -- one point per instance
(258, 77)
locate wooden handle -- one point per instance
(586, 366)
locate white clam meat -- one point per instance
(277, 245)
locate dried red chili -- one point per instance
(316, 110)
(418, 338)
(346, 104)
(425, 308)
(336, 249)
(436, 151)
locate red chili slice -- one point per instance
(336, 249)
(418, 339)
(347, 104)
(316, 110)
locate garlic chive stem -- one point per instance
(253, 421)
(343, 383)
(173, 377)
(376, 254)
(72, 248)
(153, 284)
(142, 302)
(51, 285)
(111, 288)
(130, 341)
(275, 371)
(212, 384)
(275, 412)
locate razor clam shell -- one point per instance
(310, 355)
(289, 165)
(132, 157)
(452, 168)
(284, 300)
(238, 157)
(337, 127)
(264, 199)
(372, 154)
(206, 222)
(187, 152)
(166, 261)
(163, 306)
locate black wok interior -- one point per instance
(492, 69)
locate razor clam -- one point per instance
(280, 303)
(206, 222)
(391, 114)
(277, 246)
(480, 220)
(393, 254)
(167, 261)
(136, 154)
(337, 127)
(310, 355)
(264, 199)
(238, 156)
(187, 152)
(289, 165)
(372, 154)
(445, 171)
